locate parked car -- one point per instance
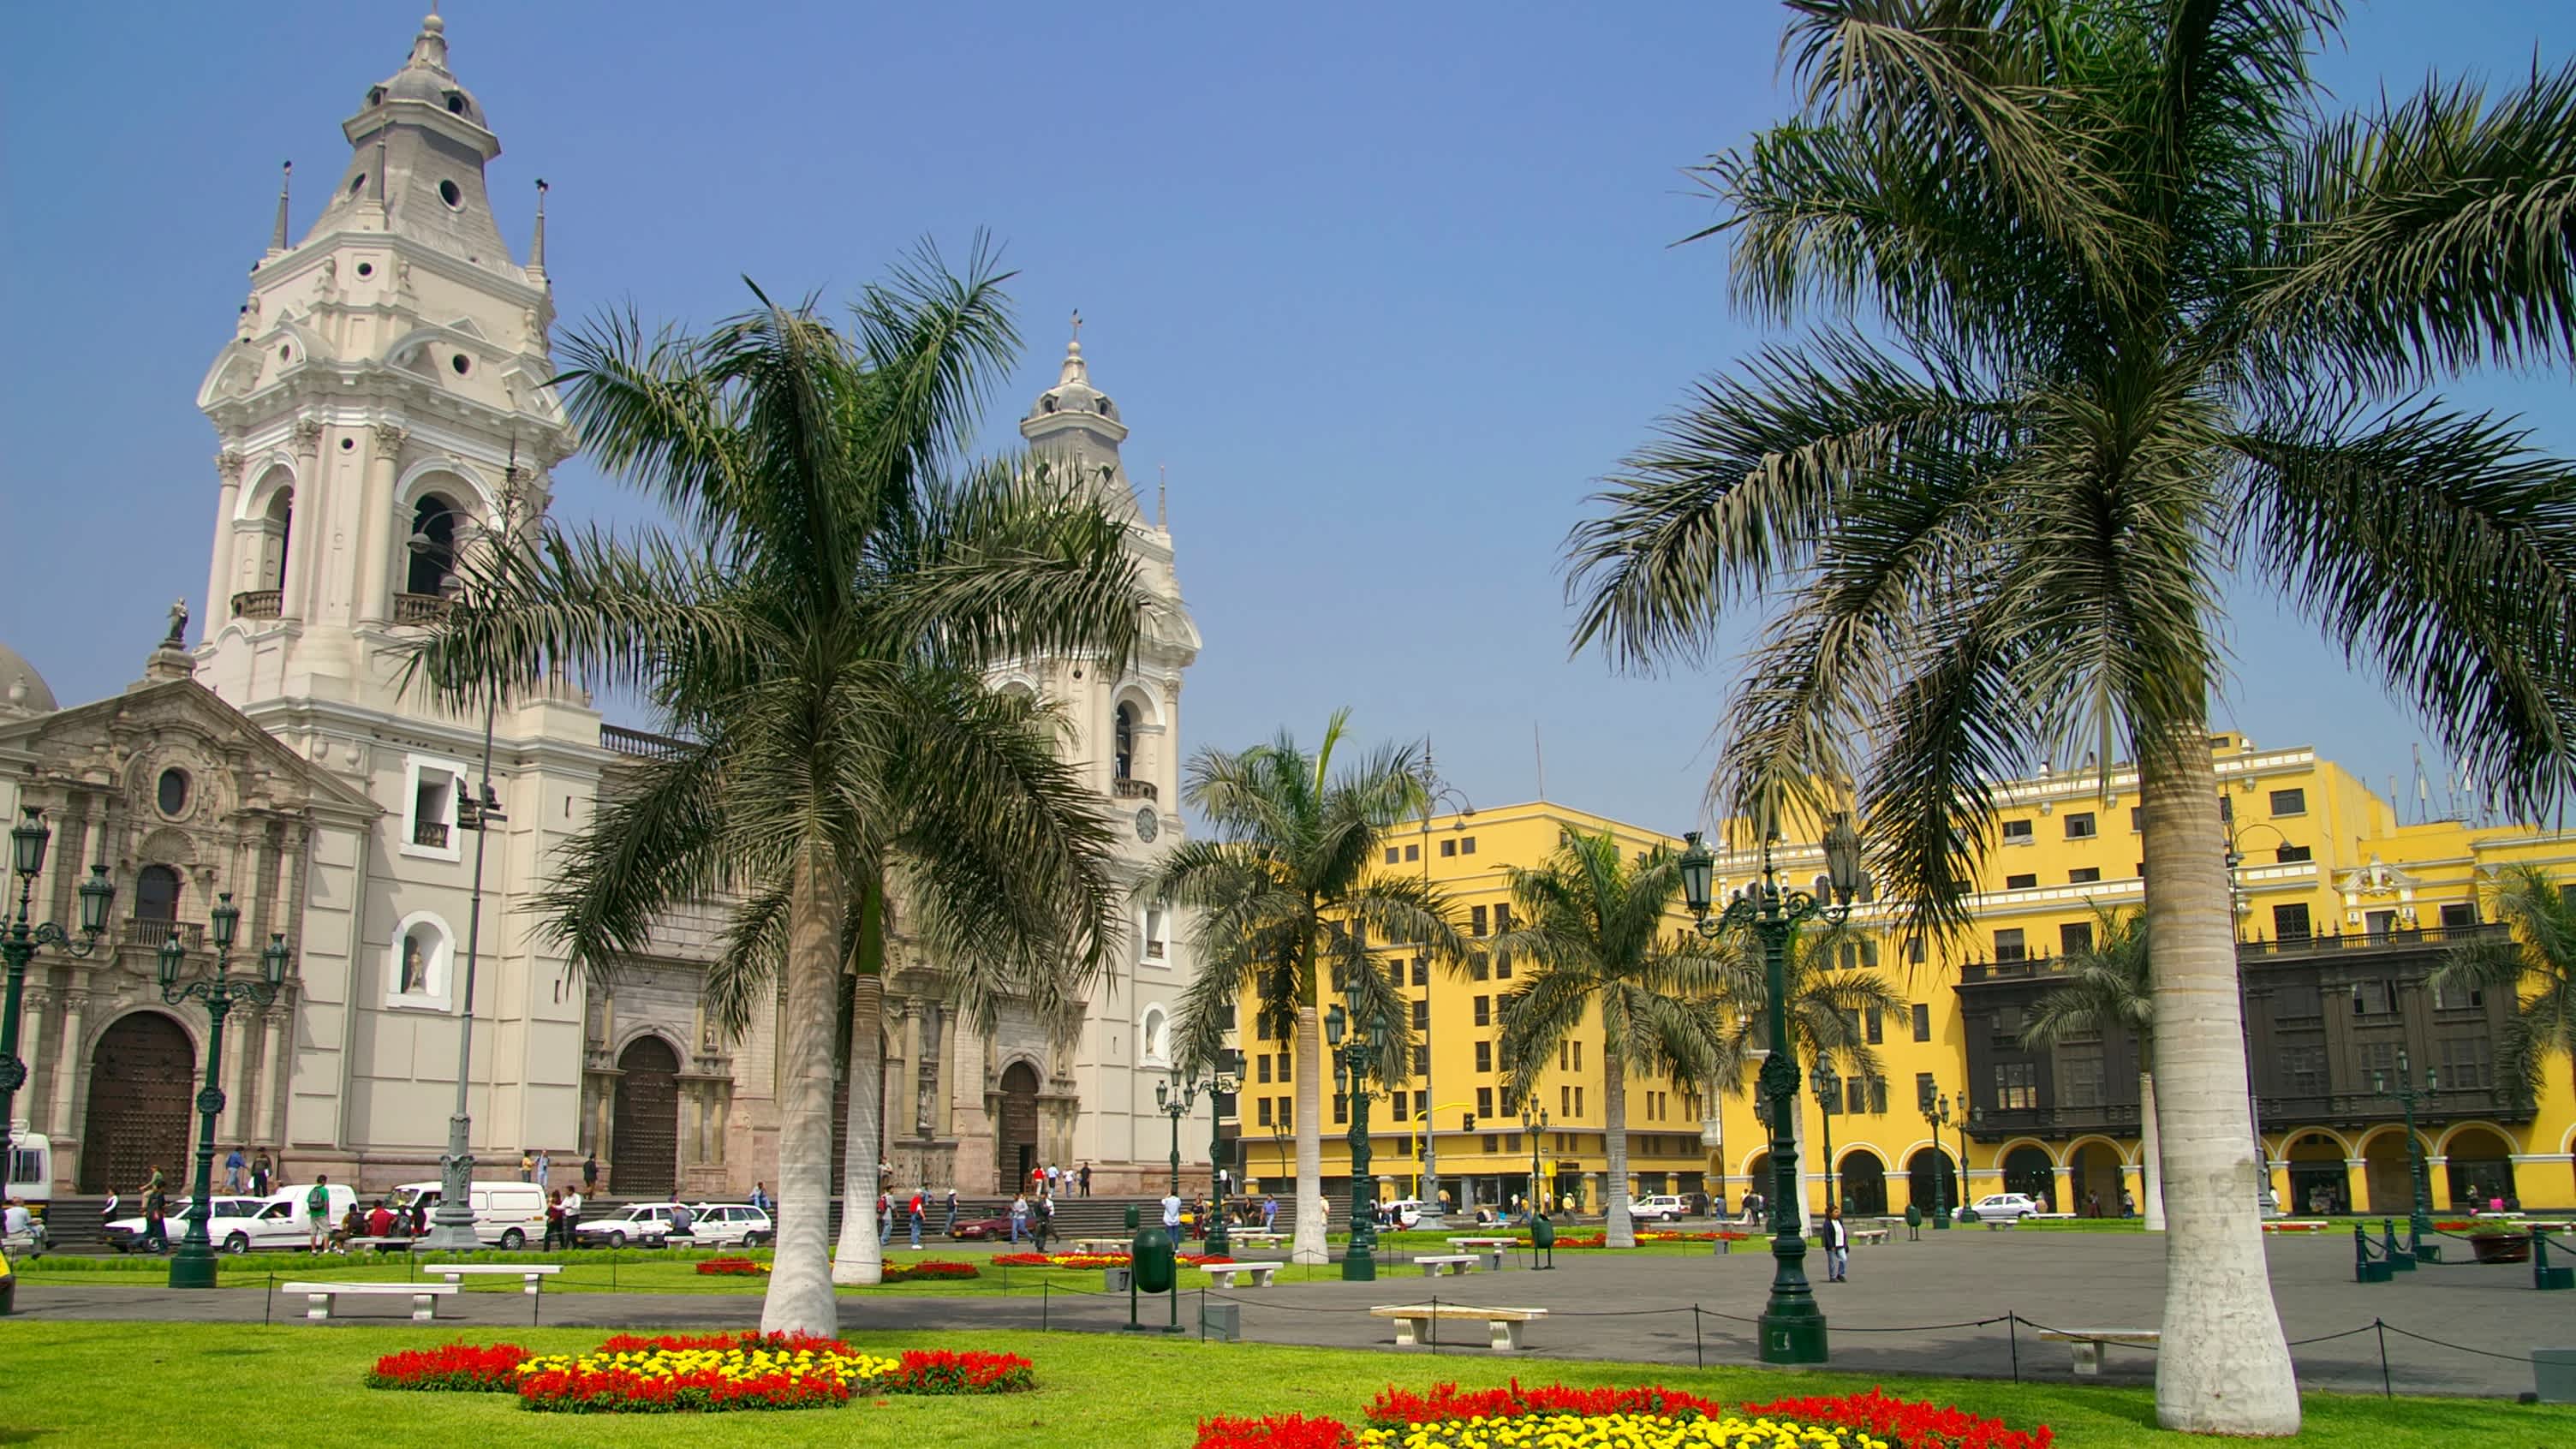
(2014, 1205)
(506, 1214)
(1404, 1212)
(240, 1224)
(731, 1225)
(983, 1230)
(1663, 1207)
(644, 1223)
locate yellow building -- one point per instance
(2343, 910)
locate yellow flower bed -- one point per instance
(1616, 1431)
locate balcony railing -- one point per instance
(152, 931)
(419, 608)
(2390, 940)
(258, 603)
(644, 744)
(431, 833)
(1131, 789)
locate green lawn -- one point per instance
(79, 1384)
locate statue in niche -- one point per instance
(415, 974)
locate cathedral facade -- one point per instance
(383, 402)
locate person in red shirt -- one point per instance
(380, 1223)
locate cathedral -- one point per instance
(383, 400)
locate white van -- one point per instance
(506, 1214)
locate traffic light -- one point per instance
(1471, 1122)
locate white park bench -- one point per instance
(393, 1244)
(1866, 1235)
(533, 1273)
(1504, 1324)
(1434, 1264)
(2051, 1217)
(1102, 1246)
(318, 1296)
(1257, 1237)
(1489, 1249)
(1262, 1275)
(2087, 1343)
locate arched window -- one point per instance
(1126, 741)
(275, 528)
(1154, 1039)
(419, 965)
(156, 894)
(433, 545)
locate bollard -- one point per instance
(2399, 1260)
(2366, 1269)
(2543, 1277)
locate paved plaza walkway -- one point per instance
(1911, 1308)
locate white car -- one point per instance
(2014, 1205)
(239, 1224)
(645, 1223)
(732, 1225)
(1661, 1208)
(1403, 1212)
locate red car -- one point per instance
(983, 1230)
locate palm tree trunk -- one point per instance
(2151, 1180)
(1618, 1229)
(1308, 1245)
(800, 1299)
(2223, 1367)
(860, 1259)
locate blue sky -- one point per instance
(1384, 287)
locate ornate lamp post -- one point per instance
(1534, 1122)
(1225, 1084)
(194, 1267)
(2419, 1223)
(1967, 1114)
(1426, 1191)
(1828, 1089)
(1793, 1329)
(27, 842)
(1351, 1072)
(1936, 1115)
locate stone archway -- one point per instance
(2095, 1181)
(2320, 1183)
(2387, 1174)
(1930, 1168)
(644, 1146)
(2028, 1170)
(142, 1075)
(1863, 1180)
(1015, 1144)
(2479, 1169)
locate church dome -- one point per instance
(22, 689)
(426, 78)
(1073, 392)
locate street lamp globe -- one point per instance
(170, 958)
(1698, 868)
(27, 841)
(1336, 1024)
(96, 894)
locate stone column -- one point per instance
(303, 529)
(380, 525)
(276, 1071)
(67, 1066)
(2065, 1191)
(31, 1054)
(916, 1122)
(2356, 1170)
(219, 575)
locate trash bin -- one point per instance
(1151, 1256)
(2553, 1374)
(1221, 1321)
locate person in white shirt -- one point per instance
(1172, 1214)
(17, 1222)
(571, 1216)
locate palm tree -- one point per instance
(2539, 952)
(815, 634)
(2119, 309)
(2109, 989)
(1595, 942)
(1831, 994)
(1285, 889)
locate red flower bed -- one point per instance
(731, 1267)
(1913, 1424)
(451, 1367)
(930, 1270)
(718, 1342)
(947, 1372)
(1275, 1431)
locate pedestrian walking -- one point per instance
(1045, 1221)
(951, 1229)
(554, 1220)
(1269, 1211)
(572, 1217)
(260, 1172)
(1050, 1179)
(233, 1170)
(156, 1226)
(2128, 1204)
(317, 1213)
(1837, 1247)
(684, 1223)
(527, 1167)
(1086, 1179)
(885, 1218)
(760, 1197)
(1019, 1217)
(545, 1165)
(590, 1175)
(920, 1200)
